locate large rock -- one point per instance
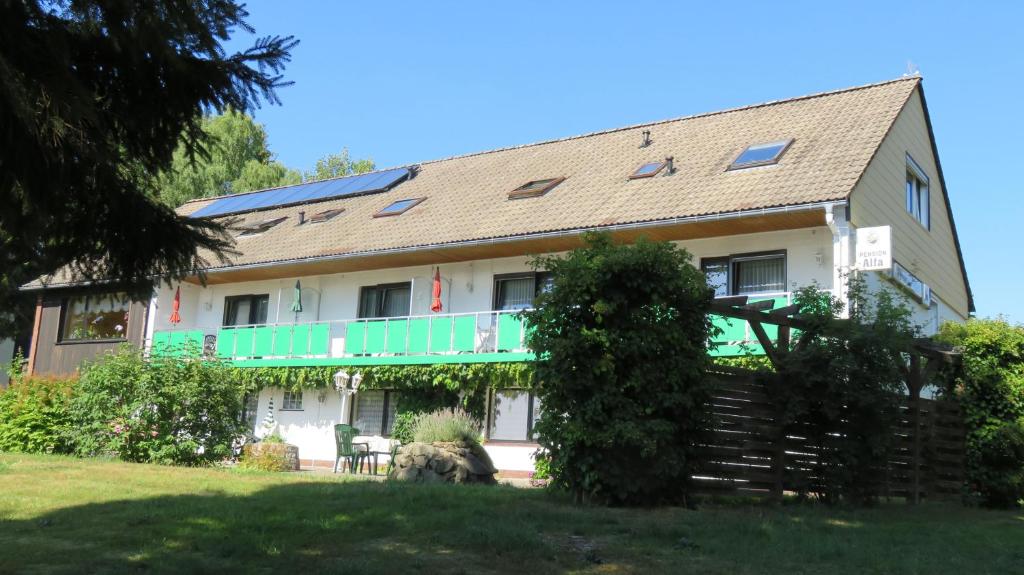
(290, 453)
(457, 462)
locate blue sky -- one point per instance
(408, 82)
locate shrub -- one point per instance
(445, 425)
(264, 460)
(164, 410)
(34, 414)
(841, 391)
(621, 338)
(990, 389)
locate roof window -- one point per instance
(650, 169)
(399, 207)
(761, 155)
(320, 217)
(534, 188)
(260, 227)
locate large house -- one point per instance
(767, 198)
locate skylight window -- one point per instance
(648, 170)
(761, 155)
(325, 215)
(260, 227)
(534, 188)
(399, 207)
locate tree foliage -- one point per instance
(990, 389)
(841, 391)
(336, 166)
(621, 340)
(239, 160)
(34, 415)
(97, 95)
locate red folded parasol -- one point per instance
(435, 303)
(175, 317)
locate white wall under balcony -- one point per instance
(468, 286)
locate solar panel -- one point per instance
(299, 193)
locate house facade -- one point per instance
(767, 199)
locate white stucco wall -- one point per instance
(468, 286)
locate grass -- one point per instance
(63, 515)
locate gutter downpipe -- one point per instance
(837, 220)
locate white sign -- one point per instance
(874, 248)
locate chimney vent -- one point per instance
(647, 139)
(302, 218)
(669, 168)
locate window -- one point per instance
(386, 300)
(246, 309)
(260, 227)
(250, 407)
(746, 274)
(292, 401)
(89, 317)
(648, 170)
(398, 208)
(534, 188)
(760, 155)
(325, 215)
(517, 291)
(513, 414)
(918, 202)
(375, 412)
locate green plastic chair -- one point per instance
(345, 451)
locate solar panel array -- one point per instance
(302, 193)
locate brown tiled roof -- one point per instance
(834, 137)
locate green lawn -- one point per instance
(62, 515)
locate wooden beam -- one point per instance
(760, 305)
(786, 311)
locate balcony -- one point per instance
(480, 337)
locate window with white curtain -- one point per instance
(375, 412)
(518, 291)
(918, 198)
(514, 412)
(746, 274)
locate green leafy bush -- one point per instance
(34, 414)
(163, 410)
(841, 391)
(990, 389)
(622, 340)
(446, 425)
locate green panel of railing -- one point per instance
(300, 340)
(244, 342)
(398, 330)
(264, 344)
(161, 343)
(419, 330)
(355, 335)
(320, 339)
(737, 338)
(283, 340)
(186, 343)
(441, 334)
(226, 342)
(509, 332)
(376, 332)
(465, 333)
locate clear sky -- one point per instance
(408, 82)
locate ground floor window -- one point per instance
(512, 415)
(292, 401)
(374, 412)
(101, 316)
(746, 274)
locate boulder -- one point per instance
(290, 453)
(457, 462)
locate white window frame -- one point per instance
(918, 194)
(292, 401)
(530, 433)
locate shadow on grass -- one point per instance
(351, 527)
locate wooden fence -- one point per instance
(747, 453)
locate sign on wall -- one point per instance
(874, 248)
